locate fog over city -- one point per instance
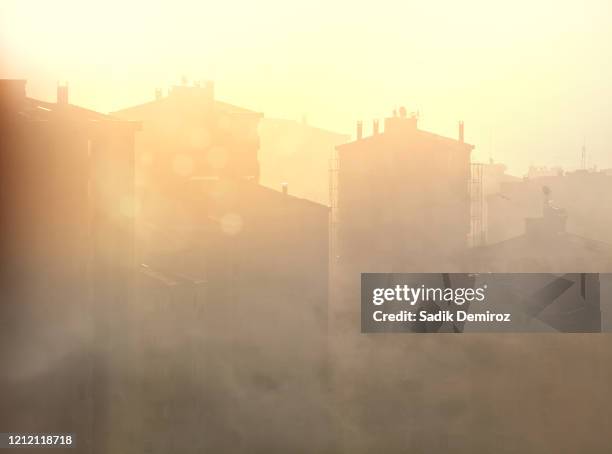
(190, 193)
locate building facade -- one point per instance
(67, 254)
(403, 200)
(231, 300)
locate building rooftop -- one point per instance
(402, 128)
(203, 94)
(13, 97)
(283, 124)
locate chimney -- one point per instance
(461, 135)
(285, 188)
(359, 130)
(401, 123)
(62, 94)
(158, 93)
(375, 128)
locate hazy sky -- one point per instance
(531, 78)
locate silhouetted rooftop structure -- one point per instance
(400, 130)
(583, 193)
(298, 154)
(544, 247)
(404, 193)
(189, 133)
(13, 100)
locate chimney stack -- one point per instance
(359, 130)
(285, 187)
(375, 127)
(158, 93)
(461, 135)
(62, 94)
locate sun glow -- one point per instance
(528, 77)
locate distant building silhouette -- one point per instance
(231, 271)
(402, 198)
(189, 133)
(543, 171)
(298, 154)
(241, 296)
(584, 194)
(494, 174)
(545, 247)
(400, 203)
